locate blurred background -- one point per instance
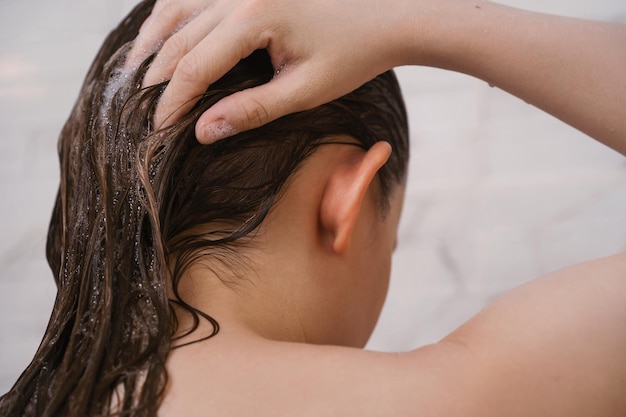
(499, 192)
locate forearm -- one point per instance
(571, 68)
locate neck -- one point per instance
(291, 284)
(272, 288)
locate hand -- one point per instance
(320, 51)
(324, 49)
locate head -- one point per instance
(141, 213)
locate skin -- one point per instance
(318, 269)
(313, 284)
(571, 68)
(290, 338)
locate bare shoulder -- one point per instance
(286, 379)
(554, 346)
(580, 301)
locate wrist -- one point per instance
(445, 34)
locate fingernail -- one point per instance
(213, 131)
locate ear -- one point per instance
(345, 191)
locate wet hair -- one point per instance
(136, 207)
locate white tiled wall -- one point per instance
(499, 192)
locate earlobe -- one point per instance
(345, 192)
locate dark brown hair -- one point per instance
(127, 219)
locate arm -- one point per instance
(552, 347)
(568, 67)
(574, 69)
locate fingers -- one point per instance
(200, 48)
(179, 44)
(256, 106)
(167, 18)
(194, 72)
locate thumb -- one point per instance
(254, 107)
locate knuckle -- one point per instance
(188, 69)
(175, 47)
(250, 13)
(255, 112)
